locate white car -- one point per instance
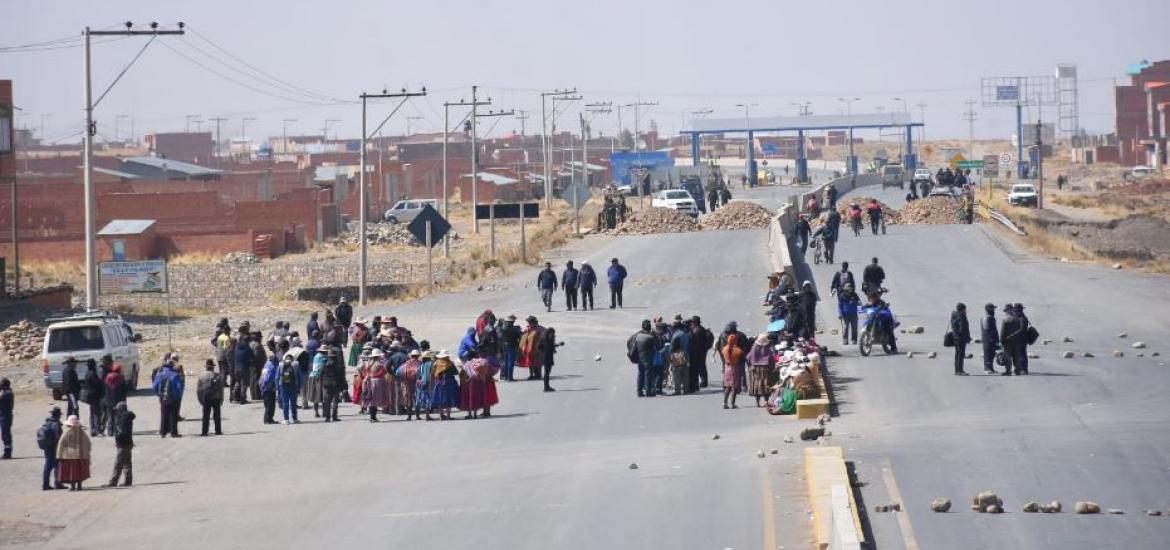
(405, 211)
(1023, 194)
(677, 199)
(923, 174)
(88, 336)
(1140, 171)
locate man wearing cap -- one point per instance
(989, 335)
(209, 392)
(71, 386)
(546, 281)
(588, 282)
(332, 383)
(344, 314)
(509, 337)
(168, 386)
(701, 341)
(616, 277)
(641, 346)
(1011, 335)
(47, 437)
(570, 280)
(961, 333)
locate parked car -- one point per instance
(943, 191)
(677, 199)
(1023, 194)
(1140, 171)
(404, 211)
(87, 336)
(892, 175)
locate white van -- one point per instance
(88, 336)
(404, 211)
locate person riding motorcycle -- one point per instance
(883, 318)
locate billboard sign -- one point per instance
(1007, 93)
(147, 276)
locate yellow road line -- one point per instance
(769, 512)
(903, 516)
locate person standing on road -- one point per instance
(1029, 338)
(961, 333)
(760, 361)
(289, 385)
(588, 283)
(312, 327)
(48, 435)
(123, 433)
(344, 315)
(733, 357)
(242, 375)
(531, 341)
(832, 230)
(548, 350)
(840, 279)
(73, 454)
(701, 342)
(848, 305)
(808, 303)
(168, 386)
(989, 335)
(7, 404)
(546, 281)
(570, 281)
(114, 393)
(831, 197)
(268, 382)
(71, 386)
(616, 276)
(407, 376)
(641, 347)
(1014, 335)
(509, 338)
(874, 211)
(375, 392)
(209, 392)
(680, 356)
(802, 232)
(92, 390)
(872, 277)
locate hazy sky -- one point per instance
(687, 55)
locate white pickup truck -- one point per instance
(1023, 194)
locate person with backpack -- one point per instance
(48, 435)
(242, 359)
(332, 383)
(168, 386)
(268, 382)
(71, 386)
(7, 403)
(209, 392)
(123, 433)
(290, 385)
(92, 389)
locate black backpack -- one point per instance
(43, 437)
(288, 373)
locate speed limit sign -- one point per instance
(1005, 159)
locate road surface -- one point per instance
(550, 470)
(1076, 429)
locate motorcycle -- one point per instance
(878, 329)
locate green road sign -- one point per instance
(972, 164)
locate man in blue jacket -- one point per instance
(241, 378)
(168, 386)
(616, 275)
(570, 280)
(547, 283)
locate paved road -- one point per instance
(548, 471)
(1080, 429)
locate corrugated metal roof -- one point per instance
(115, 173)
(494, 179)
(174, 165)
(126, 227)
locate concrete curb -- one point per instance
(836, 522)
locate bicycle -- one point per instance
(818, 250)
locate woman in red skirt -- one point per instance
(73, 454)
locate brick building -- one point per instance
(193, 147)
(1132, 113)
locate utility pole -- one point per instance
(325, 131)
(475, 104)
(921, 129)
(408, 119)
(91, 275)
(969, 116)
(522, 116)
(545, 148)
(245, 147)
(284, 134)
(362, 193)
(637, 105)
(116, 119)
(446, 131)
(553, 139)
(218, 144)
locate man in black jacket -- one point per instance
(209, 391)
(124, 440)
(840, 279)
(701, 341)
(570, 279)
(509, 337)
(642, 345)
(990, 336)
(802, 232)
(546, 281)
(51, 432)
(71, 386)
(872, 278)
(1020, 358)
(588, 282)
(344, 314)
(961, 332)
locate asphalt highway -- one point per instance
(1075, 429)
(549, 470)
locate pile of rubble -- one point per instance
(22, 340)
(240, 258)
(378, 234)
(738, 215)
(657, 220)
(930, 211)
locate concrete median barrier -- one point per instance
(836, 522)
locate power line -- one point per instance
(286, 86)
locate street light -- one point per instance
(803, 108)
(325, 137)
(189, 119)
(848, 104)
